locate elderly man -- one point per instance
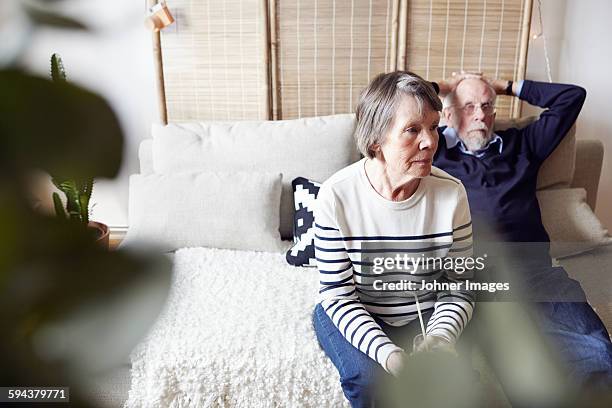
(499, 171)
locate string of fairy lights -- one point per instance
(541, 34)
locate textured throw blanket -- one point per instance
(236, 332)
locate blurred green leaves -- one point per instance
(45, 17)
(433, 380)
(41, 14)
(68, 307)
(57, 127)
(52, 269)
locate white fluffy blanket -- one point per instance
(236, 332)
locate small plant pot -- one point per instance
(101, 231)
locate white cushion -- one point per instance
(223, 210)
(145, 156)
(571, 224)
(557, 171)
(312, 147)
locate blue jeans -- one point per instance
(573, 328)
(580, 338)
(359, 374)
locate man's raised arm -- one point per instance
(563, 103)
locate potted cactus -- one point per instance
(76, 191)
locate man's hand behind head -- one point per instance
(448, 85)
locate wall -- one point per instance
(577, 35)
(586, 59)
(116, 60)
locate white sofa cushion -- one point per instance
(557, 171)
(145, 157)
(222, 210)
(312, 147)
(571, 224)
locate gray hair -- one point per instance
(378, 104)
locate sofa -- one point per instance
(567, 191)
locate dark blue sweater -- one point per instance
(501, 186)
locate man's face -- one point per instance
(473, 113)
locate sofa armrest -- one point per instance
(589, 159)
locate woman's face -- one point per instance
(410, 144)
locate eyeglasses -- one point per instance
(487, 108)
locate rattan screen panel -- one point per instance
(329, 50)
(476, 35)
(214, 60)
(284, 59)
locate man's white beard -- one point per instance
(477, 140)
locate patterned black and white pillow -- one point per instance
(302, 252)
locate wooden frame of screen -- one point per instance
(159, 72)
(524, 48)
(275, 112)
(398, 56)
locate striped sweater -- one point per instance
(354, 224)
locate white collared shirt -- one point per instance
(452, 140)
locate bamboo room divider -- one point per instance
(284, 59)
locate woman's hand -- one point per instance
(395, 362)
(432, 343)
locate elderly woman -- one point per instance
(389, 203)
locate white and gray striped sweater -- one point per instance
(353, 222)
